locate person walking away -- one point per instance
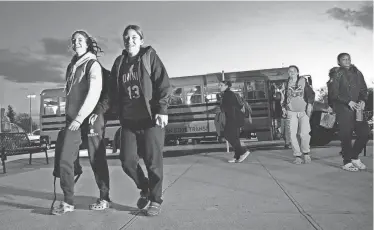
(348, 93)
(234, 119)
(142, 90)
(297, 107)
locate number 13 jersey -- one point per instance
(131, 96)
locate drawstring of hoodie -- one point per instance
(70, 75)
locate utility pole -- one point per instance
(30, 96)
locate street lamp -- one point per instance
(31, 96)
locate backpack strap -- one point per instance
(88, 67)
(146, 59)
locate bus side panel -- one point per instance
(191, 121)
(51, 125)
(261, 123)
(111, 128)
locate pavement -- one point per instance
(202, 191)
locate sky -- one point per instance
(191, 38)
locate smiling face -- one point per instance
(132, 41)
(79, 44)
(292, 72)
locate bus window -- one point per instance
(50, 106)
(238, 87)
(193, 94)
(176, 97)
(212, 93)
(62, 103)
(256, 89)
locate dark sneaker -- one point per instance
(154, 209)
(143, 201)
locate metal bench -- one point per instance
(18, 144)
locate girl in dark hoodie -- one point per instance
(141, 90)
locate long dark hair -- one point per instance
(298, 74)
(91, 42)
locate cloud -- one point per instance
(356, 18)
(26, 68)
(44, 63)
(53, 46)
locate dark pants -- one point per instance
(232, 134)
(148, 141)
(347, 124)
(94, 135)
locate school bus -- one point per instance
(194, 103)
(52, 116)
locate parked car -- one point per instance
(34, 137)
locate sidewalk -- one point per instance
(202, 191)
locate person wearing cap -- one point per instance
(234, 119)
(347, 93)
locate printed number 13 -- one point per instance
(133, 92)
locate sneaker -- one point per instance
(350, 167)
(99, 205)
(143, 201)
(62, 209)
(307, 159)
(154, 209)
(286, 146)
(358, 164)
(245, 155)
(234, 160)
(298, 161)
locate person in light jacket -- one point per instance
(297, 107)
(86, 103)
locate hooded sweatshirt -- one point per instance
(346, 85)
(152, 91)
(82, 93)
(298, 95)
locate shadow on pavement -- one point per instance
(82, 202)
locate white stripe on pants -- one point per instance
(299, 128)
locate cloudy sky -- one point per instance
(191, 38)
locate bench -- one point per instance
(18, 144)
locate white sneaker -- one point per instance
(350, 167)
(298, 161)
(307, 159)
(245, 155)
(99, 205)
(62, 209)
(359, 164)
(234, 160)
